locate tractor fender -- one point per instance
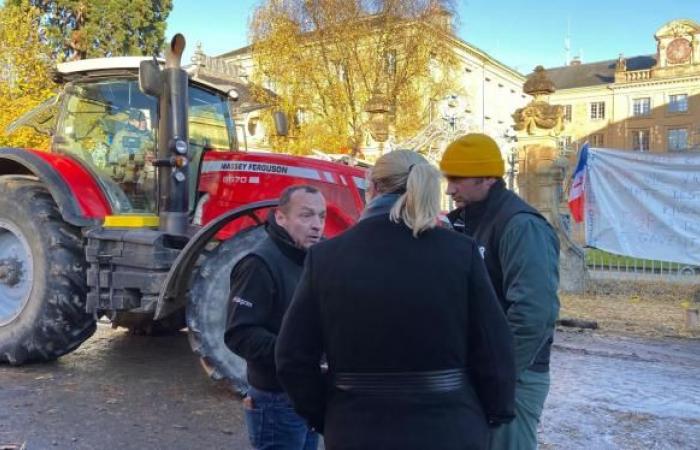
(172, 297)
(79, 197)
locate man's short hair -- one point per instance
(286, 195)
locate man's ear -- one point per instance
(371, 191)
(279, 216)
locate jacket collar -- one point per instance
(380, 205)
(476, 211)
(283, 240)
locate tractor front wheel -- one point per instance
(207, 309)
(42, 276)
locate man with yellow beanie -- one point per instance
(521, 252)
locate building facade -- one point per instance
(642, 103)
(488, 92)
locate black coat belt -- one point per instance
(435, 381)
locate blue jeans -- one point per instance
(273, 424)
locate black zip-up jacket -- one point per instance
(262, 286)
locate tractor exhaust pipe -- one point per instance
(169, 85)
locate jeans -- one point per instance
(273, 424)
(531, 391)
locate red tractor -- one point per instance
(140, 210)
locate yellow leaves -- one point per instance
(25, 69)
(330, 56)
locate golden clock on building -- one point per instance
(678, 51)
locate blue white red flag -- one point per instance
(577, 193)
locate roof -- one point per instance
(89, 65)
(245, 101)
(236, 52)
(131, 64)
(593, 74)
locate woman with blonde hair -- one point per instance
(419, 352)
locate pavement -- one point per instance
(123, 391)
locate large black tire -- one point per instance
(207, 309)
(50, 320)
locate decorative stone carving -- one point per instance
(621, 65)
(677, 44)
(538, 83)
(539, 114)
(541, 172)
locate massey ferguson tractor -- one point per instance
(140, 209)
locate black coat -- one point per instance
(376, 299)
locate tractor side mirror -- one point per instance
(281, 123)
(149, 78)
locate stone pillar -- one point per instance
(540, 178)
(541, 172)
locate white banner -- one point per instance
(644, 205)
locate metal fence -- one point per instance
(605, 265)
(609, 266)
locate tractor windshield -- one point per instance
(111, 126)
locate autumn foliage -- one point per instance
(25, 68)
(37, 34)
(325, 59)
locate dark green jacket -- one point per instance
(529, 254)
(521, 251)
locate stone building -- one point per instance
(643, 103)
(489, 93)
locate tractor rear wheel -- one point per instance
(42, 276)
(207, 309)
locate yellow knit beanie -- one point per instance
(473, 155)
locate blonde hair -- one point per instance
(408, 173)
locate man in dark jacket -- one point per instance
(262, 285)
(521, 251)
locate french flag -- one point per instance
(578, 185)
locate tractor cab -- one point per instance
(103, 119)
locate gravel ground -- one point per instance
(133, 392)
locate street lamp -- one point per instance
(512, 159)
(378, 108)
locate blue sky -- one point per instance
(521, 33)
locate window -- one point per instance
(341, 70)
(640, 140)
(567, 113)
(677, 139)
(268, 83)
(678, 103)
(301, 117)
(641, 106)
(252, 126)
(390, 62)
(564, 144)
(597, 140)
(598, 110)
(111, 127)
